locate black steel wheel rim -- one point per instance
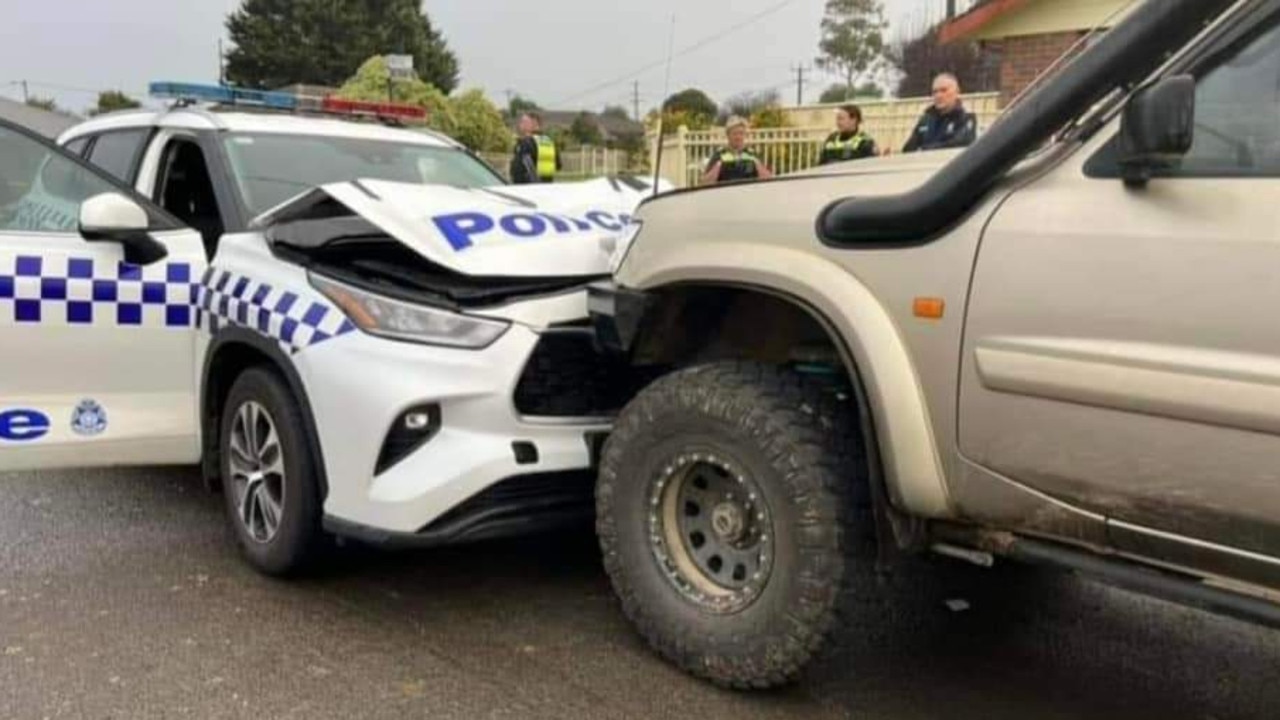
(711, 531)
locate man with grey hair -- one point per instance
(946, 124)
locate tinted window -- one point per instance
(1238, 113)
(270, 169)
(40, 188)
(117, 152)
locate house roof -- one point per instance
(49, 124)
(970, 23)
(996, 19)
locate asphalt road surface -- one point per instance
(121, 596)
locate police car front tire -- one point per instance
(269, 480)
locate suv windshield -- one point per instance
(272, 168)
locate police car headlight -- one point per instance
(624, 242)
(398, 320)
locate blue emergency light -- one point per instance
(328, 105)
(224, 94)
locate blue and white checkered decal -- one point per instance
(71, 291)
(223, 298)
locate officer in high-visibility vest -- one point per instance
(849, 142)
(735, 162)
(536, 159)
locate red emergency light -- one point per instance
(378, 109)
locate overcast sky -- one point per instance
(554, 51)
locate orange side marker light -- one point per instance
(930, 308)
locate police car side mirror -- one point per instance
(1158, 128)
(112, 217)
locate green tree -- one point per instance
(749, 103)
(113, 100)
(371, 82)
(836, 93)
(852, 41)
(470, 118)
(520, 105)
(923, 56)
(673, 119)
(840, 93)
(692, 102)
(479, 124)
(616, 111)
(585, 130)
(321, 42)
(770, 116)
(46, 104)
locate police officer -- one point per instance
(946, 124)
(735, 161)
(536, 159)
(848, 142)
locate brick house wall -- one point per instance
(1023, 58)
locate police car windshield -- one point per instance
(271, 168)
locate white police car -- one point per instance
(378, 358)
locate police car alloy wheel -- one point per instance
(268, 477)
(257, 471)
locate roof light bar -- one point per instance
(379, 109)
(229, 95)
(224, 94)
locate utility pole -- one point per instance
(635, 99)
(800, 71)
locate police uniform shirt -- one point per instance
(840, 147)
(524, 164)
(938, 130)
(735, 165)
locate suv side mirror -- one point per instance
(112, 217)
(1158, 127)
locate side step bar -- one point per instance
(1165, 585)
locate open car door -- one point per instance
(98, 336)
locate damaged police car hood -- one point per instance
(555, 230)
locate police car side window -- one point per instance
(118, 152)
(41, 190)
(77, 146)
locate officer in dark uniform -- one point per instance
(848, 142)
(536, 158)
(946, 124)
(735, 162)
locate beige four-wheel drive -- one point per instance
(1052, 347)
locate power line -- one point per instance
(708, 40)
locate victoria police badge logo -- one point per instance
(89, 419)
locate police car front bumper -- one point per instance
(486, 453)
